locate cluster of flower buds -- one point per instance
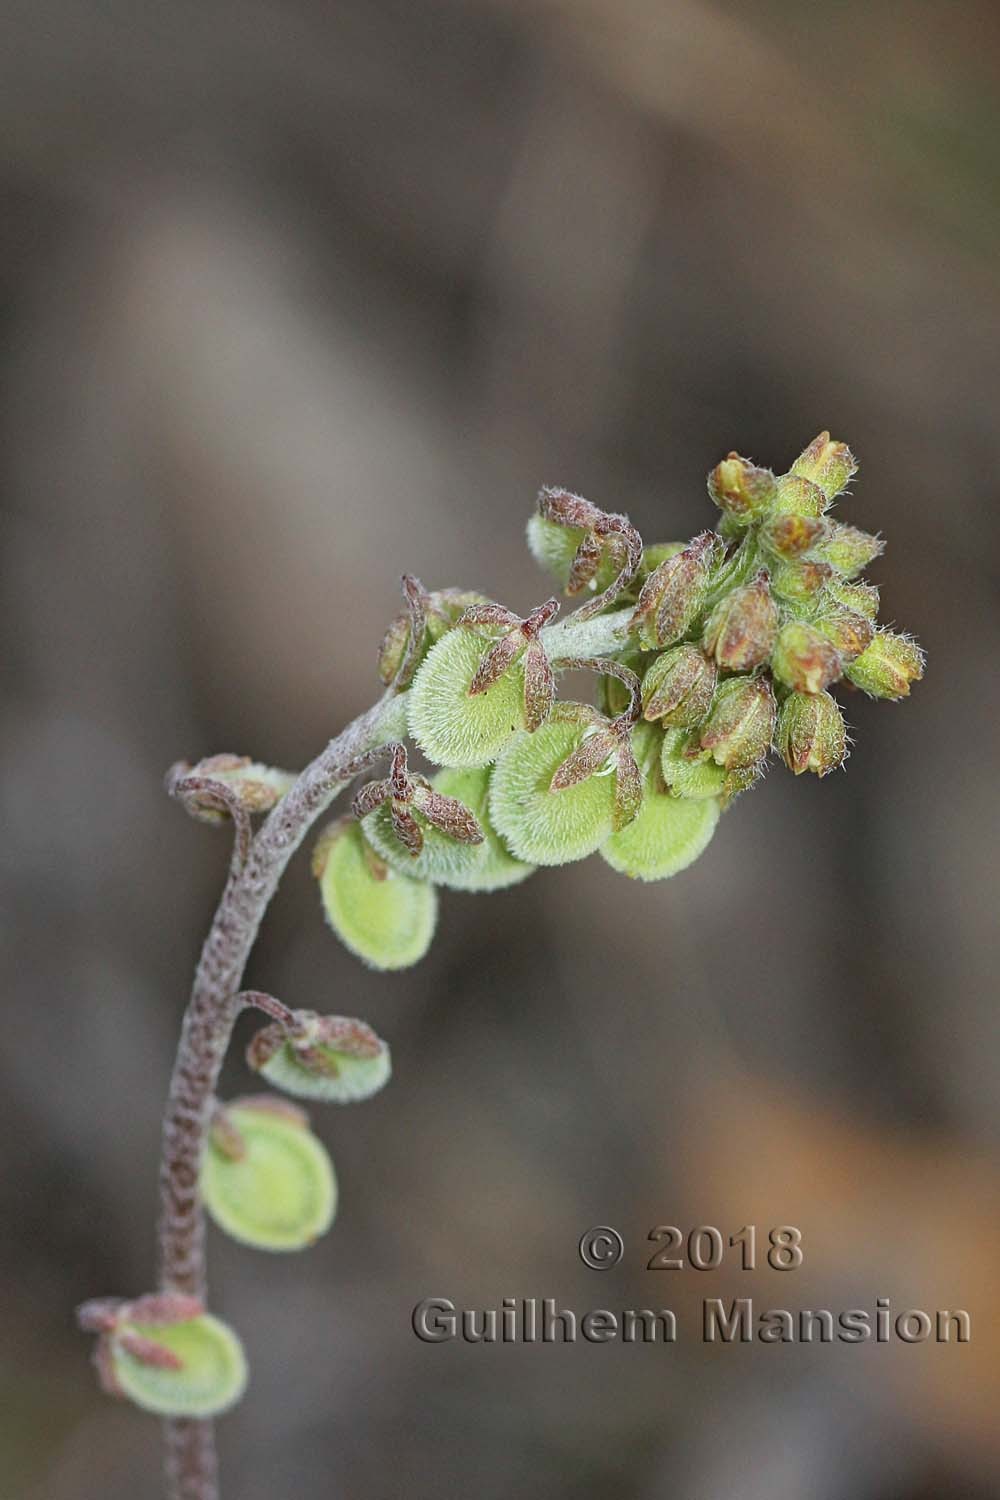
(710, 655)
(755, 624)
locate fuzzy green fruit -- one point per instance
(668, 834)
(452, 728)
(385, 918)
(445, 861)
(212, 1375)
(538, 824)
(334, 1059)
(280, 1192)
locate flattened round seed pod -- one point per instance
(451, 728)
(385, 918)
(342, 1077)
(211, 1378)
(667, 835)
(546, 827)
(554, 547)
(689, 778)
(464, 867)
(280, 1193)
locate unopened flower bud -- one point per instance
(811, 733)
(889, 665)
(798, 496)
(741, 725)
(860, 597)
(848, 630)
(849, 550)
(393, 647)
(828, 464)
(673, 594)
(679, 686)
(740, 489)
(798, 583)
(804, 659)
(658, 552)
(740, 779)
(741, 629)
(790, 535)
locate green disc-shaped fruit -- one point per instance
(336, 1061)
(451, 728)
(267, 1181)
(538, 824)
(666, 836)
(694, 778)
(554, 547)
(384, 917)
(203, 1371)
(445, 861)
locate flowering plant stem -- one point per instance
(205, 1035)
(216, 1002)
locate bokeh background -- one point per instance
(295, 296)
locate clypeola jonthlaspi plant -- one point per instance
(707, 655)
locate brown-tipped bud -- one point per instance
(849, 550)
(888, 667)
(791, 535)
(656, 553)
(678, 687)
(798, 583)
(674, 593)
(803, 659)
(433, 614)
(742, 627)
(393, 648)
(799, 497)
(741, 725)
(740, 489)
(740, 779)
(860, 597)
(850, 632)
(828, 464)
(811, 733)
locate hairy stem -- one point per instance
(216, 1002)
(208, 1023)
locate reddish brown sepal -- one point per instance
(147, 1351)
(602, 529)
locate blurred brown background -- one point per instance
(295, 296)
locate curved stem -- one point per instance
(208, 1023)
(216, 1002)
